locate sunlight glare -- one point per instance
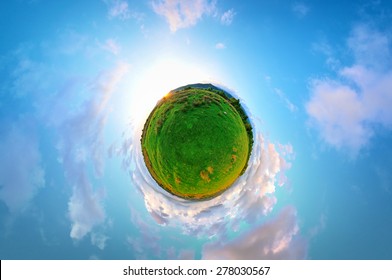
(159, 80)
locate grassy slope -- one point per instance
(195, 143)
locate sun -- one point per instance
(156, 81)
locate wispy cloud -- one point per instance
(326, 49)
(111, 46)
(227, 17)
(320, 226)
(285, 100)
(183, 13)
(280, 93)
(81, 141)
(220, 46)
(275, 239)
(72, 42)
(300, 9)
(99, 240)
(21, 173)
(85, 208)
(347, 109)
(26, 77)
(118, 9)
(73, 110)
(147, 241)
(384, 178)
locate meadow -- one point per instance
(197, 142)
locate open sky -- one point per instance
(79, 78)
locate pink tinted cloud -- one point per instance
(275, 239)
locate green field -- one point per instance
(196, 142)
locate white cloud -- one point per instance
(21, 173)
(220, 46)
(347, 109)
(300, 9)
(183, 13)
(275, 239)
(338, 113)
(85, 209)
(227, 17)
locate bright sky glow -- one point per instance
(159, 79)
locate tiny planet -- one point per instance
(197, 141)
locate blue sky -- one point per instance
(78, 79)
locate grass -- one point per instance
(196, 142)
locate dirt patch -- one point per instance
(204, 175)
